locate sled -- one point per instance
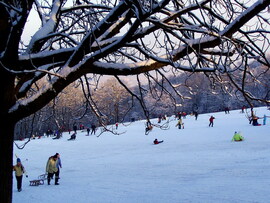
(39, 181)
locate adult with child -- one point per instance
(51, 169)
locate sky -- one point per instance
(195, 164)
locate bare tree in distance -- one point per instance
(145, 38)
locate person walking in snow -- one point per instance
(93, 127)
(211, 121)
(51, 169)
(58, 165)
(180, 124)
(196, 115)
(88, 131)
(19, 171)
(75, 128)
(227, 110)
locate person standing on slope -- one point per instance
(51, 169)
(58, 165)
(19, 171)
(211, 120)
(180, 124)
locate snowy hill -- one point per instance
(195, 164)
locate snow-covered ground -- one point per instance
(195, 164)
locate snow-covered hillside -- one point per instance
(195, 164)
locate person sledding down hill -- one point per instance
(72, 137)
(237, 137)
(255, 121)
(157, 142)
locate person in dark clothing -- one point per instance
(93, 128)
(227, 110)
(88, 131)
(196, 115)
(159, 119)
(72, 137)
(57, 135)
(157, 142)
(255, 121)
(75, 128)
(149, 127)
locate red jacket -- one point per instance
(211, 119)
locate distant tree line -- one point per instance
(197, 92)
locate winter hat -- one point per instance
(18, 160)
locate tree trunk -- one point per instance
(6, 160)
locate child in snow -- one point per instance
(237, 137)
(157, 142)
(19, 171)
(264, 119)
(58, 165)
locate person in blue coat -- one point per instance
(58, 165)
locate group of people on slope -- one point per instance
(52, 169)
(93, 129)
